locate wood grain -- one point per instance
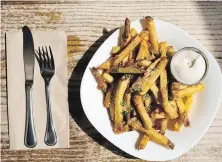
(88, 24)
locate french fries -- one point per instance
(108, 96)
(153, 134)
(108, 78)
(143, 51)
(142, 111)
(149, 23)
(143, 142)
(190, 90)
(139, 91)
(115, 50)
(127, 70)
(156, 93)
(120, 90)
(143, 85)
(132, 45)
(163, 48)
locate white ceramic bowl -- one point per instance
(203, 111)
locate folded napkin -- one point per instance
(58, 90)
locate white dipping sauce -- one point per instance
(188, 67)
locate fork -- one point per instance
(47, 70)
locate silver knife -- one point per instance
(29, 60)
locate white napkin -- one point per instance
(58, 90)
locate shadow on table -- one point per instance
(75, 107)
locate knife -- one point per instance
(29, 59)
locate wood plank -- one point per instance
(88, 25)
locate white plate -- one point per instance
(203, 111)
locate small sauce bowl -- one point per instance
(197, 51)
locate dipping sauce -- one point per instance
(188, 66)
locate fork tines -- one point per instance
(43, 58)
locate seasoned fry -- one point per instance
(144, 63)
(162, 48)
(133, 33)
(142, 111)
(129, 70)
(121, 88)
(156, 93)
(112, 104)
(108, 78)
(170, 52)
(163, 126)
(190, 90)
(126, 35)
(143, 51)
(158, 115)
(115, 50)
(178, 86)
(149, 22)
(106, 65)
(108, 96)
(153, 134)
(143, 142)
(99, 79)
(147, 100)
(132, 45)
(143, 84)
(188, 103)
(180, 105)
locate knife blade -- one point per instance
(29, 61)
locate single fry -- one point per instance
(170, 52)
(126, 35)
(178, 86)
(120, 90)
(142, 111)
(115, 50)
(132, 45)
(188, 103)
(106, 65)
(163, 48)
(127, 70)
(99, 79)
(143, 142)
(163, 126)
(147, 100)
(156, 93)
(108, 78)
(108, 96)
(143, 51)
(153, 134)
(149, 23)
(181, 105)
(144, 63)
(112, 104)
(190, 90)
(158, 115)
(133, 33)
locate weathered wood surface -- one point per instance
(87, 25)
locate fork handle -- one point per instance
(50, 134)
(30, 136)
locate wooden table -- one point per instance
(87, 25)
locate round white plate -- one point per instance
(203, 111)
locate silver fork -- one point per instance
(47, 70)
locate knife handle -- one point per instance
(30, 136)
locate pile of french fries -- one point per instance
(139, 91)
